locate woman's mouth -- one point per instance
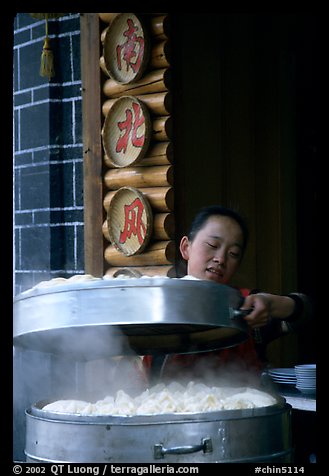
(215, 274)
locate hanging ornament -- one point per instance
(47, 57)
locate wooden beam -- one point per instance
(92, 146)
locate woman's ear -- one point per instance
(184, 247)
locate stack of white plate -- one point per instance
(283, 376)
(306, 378)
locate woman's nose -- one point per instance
(219, 257)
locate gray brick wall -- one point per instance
(48, 163)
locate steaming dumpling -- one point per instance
(87, 409)
(82, 277)
(166, 402)
(66, 406)
(104, 409)
(250, 398)
(174, 398)
(124, 404)
(51, 282)
(109, 400)
(60, 280)
(149, 407)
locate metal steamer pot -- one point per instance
(90, 320)
(141, 315)
(230, 436)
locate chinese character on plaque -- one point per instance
(129, 221)
(126, 132)
(126, 48)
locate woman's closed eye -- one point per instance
(211, 245)
(235, 254)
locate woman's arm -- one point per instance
(267, 306)
(274, 315)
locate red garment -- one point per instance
(242, 357)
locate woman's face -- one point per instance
(216, 250)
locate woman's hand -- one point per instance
(265, 307)
(261, 309)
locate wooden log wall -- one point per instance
(153, 174)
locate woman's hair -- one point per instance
(217, 210)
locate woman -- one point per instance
(213, 250)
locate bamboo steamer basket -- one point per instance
(126, 48)
(126, 132)
(129, 221)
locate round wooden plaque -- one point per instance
(126, 132)
(131, 273)
(129, 221)
(126, 48)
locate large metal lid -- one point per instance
(103, 318)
